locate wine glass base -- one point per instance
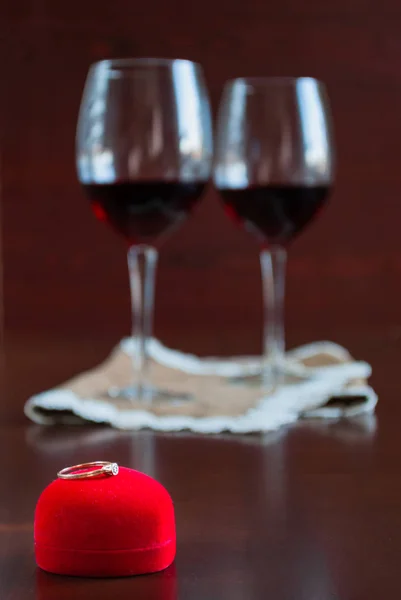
(267, 381)
(148, 395)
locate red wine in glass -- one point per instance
(143, 210)
(275, 214)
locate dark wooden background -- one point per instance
(65, 274)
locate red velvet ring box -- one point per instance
(105, 526)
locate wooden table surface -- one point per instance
(310, 513)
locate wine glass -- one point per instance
(144, 153)
(273, 168)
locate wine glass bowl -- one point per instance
(273, 149)
(144, 143)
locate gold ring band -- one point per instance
(75, 472)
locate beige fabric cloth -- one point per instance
(321, 380)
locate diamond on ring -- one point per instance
(111, 469)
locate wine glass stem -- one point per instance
(142, 263)
(273, 263)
